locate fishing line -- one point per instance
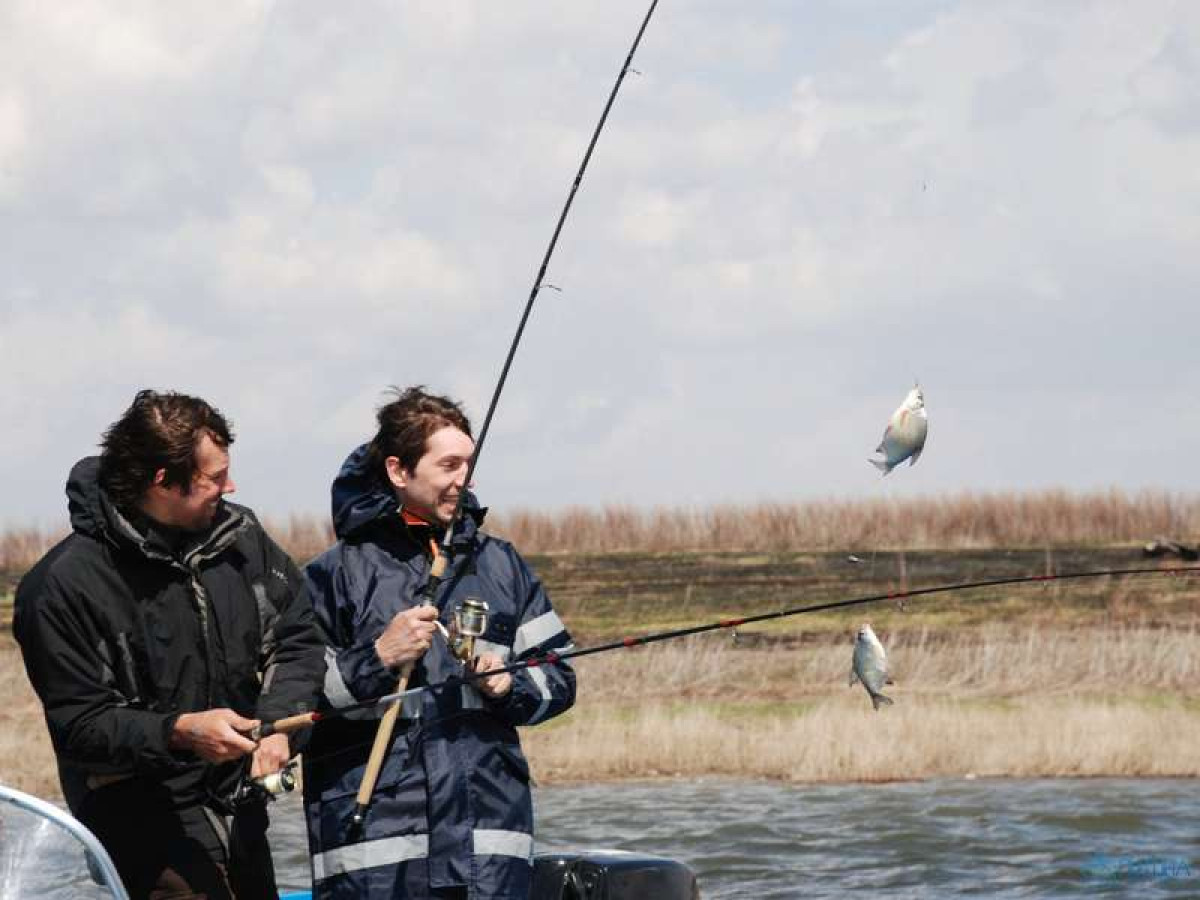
(539, 279)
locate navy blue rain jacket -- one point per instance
(452, 806)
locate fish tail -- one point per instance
(881, 466)
(878, 700)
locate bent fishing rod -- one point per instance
(441, 558)
(295, 723)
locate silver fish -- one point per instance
(904, 437)
(870, 666)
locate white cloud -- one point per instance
(293, 205)
(656, 219)
(14, 140)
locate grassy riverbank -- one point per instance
(1095, 677)
(1058, 701)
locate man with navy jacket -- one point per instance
(451, 815)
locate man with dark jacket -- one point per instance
(451, 815)
(157, 635)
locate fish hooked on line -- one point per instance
(870, 666)
(904, 437)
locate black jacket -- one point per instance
(121, 636)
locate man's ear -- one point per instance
(397, 474)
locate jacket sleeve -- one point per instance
(94, 722)
(543, 691)
(353, 670)
(291, 658)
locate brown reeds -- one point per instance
(20, 548)
(960, 521)
(996, 660)
(842, 739)
(26, 758)
(997, 700)
(1114, 701)
(302, 537)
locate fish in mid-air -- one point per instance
(904, 437)
(870, 666)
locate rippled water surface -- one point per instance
(989, 838)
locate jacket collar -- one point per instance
(94, 514)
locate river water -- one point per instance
(990, 838)
(749, 839)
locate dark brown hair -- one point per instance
(406, 423)
(158, 431)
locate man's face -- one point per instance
(431, 490)
(195, 510)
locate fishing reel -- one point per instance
(470, 622)
(263, 789)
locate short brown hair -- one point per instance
(406, 423)
(158, 431)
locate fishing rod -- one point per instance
(440, 561)
(304, 720)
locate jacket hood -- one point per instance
(86, 503)
(358, 498)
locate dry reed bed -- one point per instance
(1119, 701)
(995, 660)
(958, 521)
(26, 758)
(996, 700)
(955, 521)
(843, 740)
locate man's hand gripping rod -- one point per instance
(387, 723)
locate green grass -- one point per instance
(741, 710)
(604, 596)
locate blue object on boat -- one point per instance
(296, 895)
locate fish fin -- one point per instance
(878, 700)
(912, 460)
(853, 677)
(881, 466)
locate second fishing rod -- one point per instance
(305, 720)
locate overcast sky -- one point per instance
(794, 211)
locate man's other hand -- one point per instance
(494, 686)
(214, 735)
(271, 756)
